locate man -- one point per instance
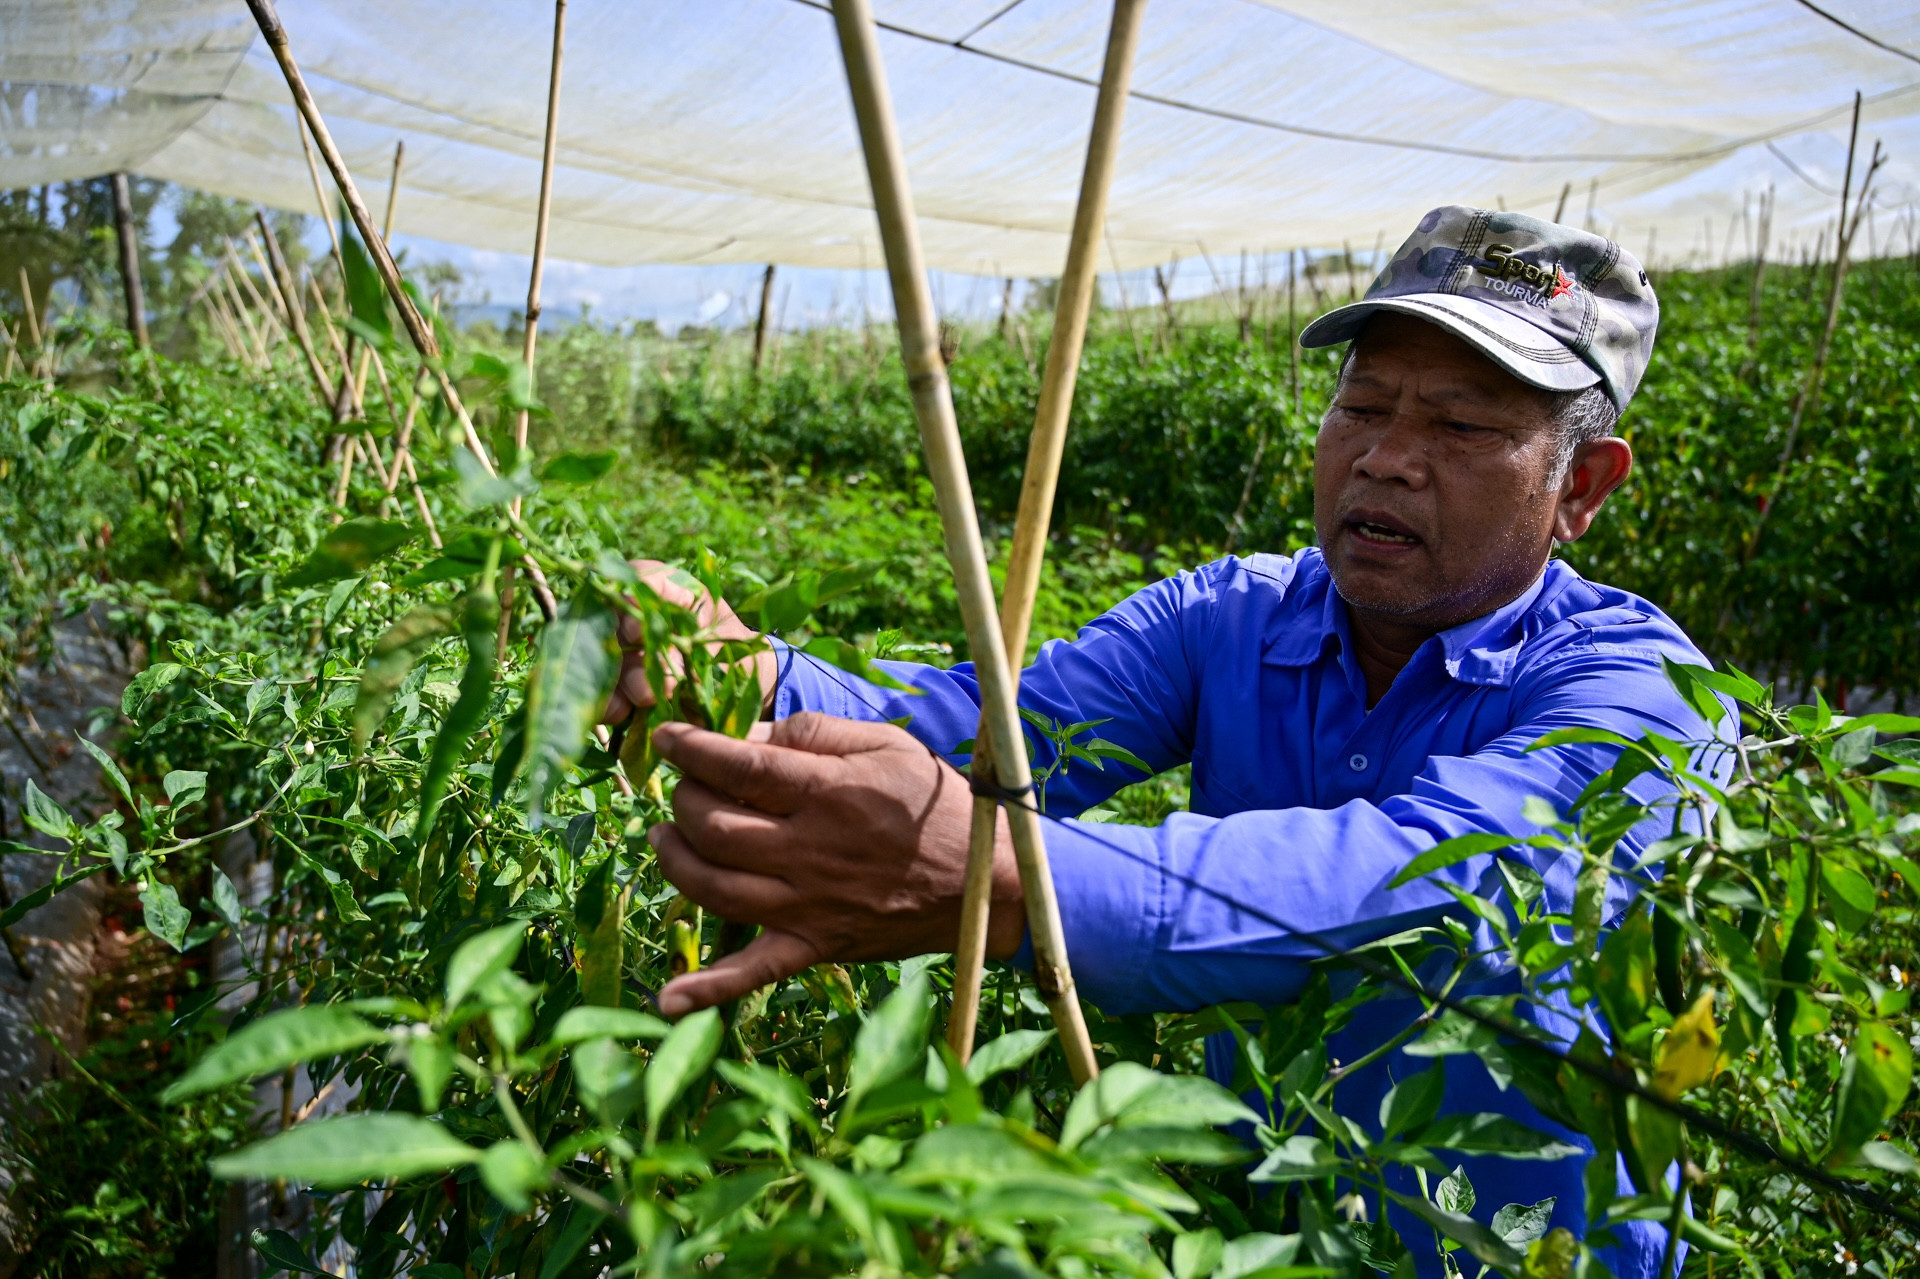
(1343, 709)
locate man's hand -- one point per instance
(632, 691)
(845, 840)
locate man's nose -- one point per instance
(1395, 452)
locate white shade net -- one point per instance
(720, 130)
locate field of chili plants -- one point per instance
(467, 924)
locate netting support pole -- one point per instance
(947, 468)
(416, 325)
(129, 259)
(1074, 304)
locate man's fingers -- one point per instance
(819, 734)
(729, 893)
(768, 958)
(769, 776)
(726, 833)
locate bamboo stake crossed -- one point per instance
(1037, 489)
(947, 468)
(418, 330)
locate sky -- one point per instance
(728, 296)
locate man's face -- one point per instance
(1434, 488)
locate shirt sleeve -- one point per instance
(1128, 671)
(1203, 910)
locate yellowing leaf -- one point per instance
(1690, 1050)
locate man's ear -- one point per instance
(1598, 468)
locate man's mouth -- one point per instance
(1382, 531)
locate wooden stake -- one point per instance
(532, 336)
(1808, 400)
(1074, 302)
(1560, 209)
(418, 330)
(129, 259)
(290, 303)
(947, 469)
(549, 607)
(760, 323)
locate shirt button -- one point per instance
(1358, 763)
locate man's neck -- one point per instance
(1383, 645)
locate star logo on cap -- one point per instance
(1561, 284)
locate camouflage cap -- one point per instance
(1555, 306)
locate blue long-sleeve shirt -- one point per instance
(1305, 802)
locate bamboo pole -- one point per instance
(947, 468)
(296, 313)
(418, 330)
(256, 345)
(33, 327)
(129, 259)
(278, 330)
(1035, 513)
(530, 339)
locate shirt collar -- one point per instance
(1481, 651)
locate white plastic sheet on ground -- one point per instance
(720, 130)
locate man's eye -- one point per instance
(1464, 428)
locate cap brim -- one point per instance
(1525, 350)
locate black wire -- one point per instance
(1852, 30)
(1404, 144)
(1703, 1120)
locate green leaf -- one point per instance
(1196, 1254)
(45, 893)
(481, 616)
(1455, 1193)
(1874, 1081)
(1493, 1135)
(1451, 852)
(166, 918)
(1413, 1102)
(1128, 1094)
(1455, 1225)
(110, 770)
(513, 1173)
(366, 292)
(350, 548)
(1740, 965)
(481, 958)
(284, 1252)
(273, 1043)
(586, 1022)
(1850, 894)
(683, 1056)
(608, 1076)
(1299, 1158)
(1008, 1052)
(1521, 1224)
(184, 787)
(479, 490)
(464, 555)
(430, 1062)
(44, 815)
(579, 657)
(393, 657)
(349, 1149)
(226, 899)
(579, 468)
(893, 1038)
